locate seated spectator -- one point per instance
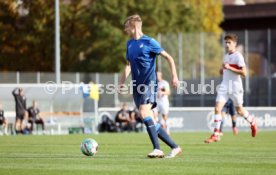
(34, 117)
(3, 120)
(107, 125)
(135, 115)
(124, 120)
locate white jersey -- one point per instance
(163, 85)
(232, 81)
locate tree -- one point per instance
(26, 35)
(92, 37)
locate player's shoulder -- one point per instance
(129, 42)
(146, 37)
(149, 39)
(238, 54)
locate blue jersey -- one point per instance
(142, 54)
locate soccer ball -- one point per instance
(89, 147)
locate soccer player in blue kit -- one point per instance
(141, 52)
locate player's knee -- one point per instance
(143, 112)
(239, 111)
(217, 109)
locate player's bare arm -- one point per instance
(125, 73)
(124, 76)
(170, 60)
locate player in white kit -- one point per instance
(162, 101)
(233, 68)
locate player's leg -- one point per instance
(145, 101)
(147, 115)
(220, 102)
(155, 113)
(223, 114)
(251, 120)
(40, 121)
(164, 135)
(5, 125)
(164, 123)
(1, 121)
(17, 125)
(232, 113)
(238, 101)
(234, 124)
(22, 125)
(31, 122)
(165, 112)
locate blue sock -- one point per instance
(221, 125)
(162, 134)
(152, 132)
(233, 123)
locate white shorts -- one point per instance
(236, 96)
(163, 108)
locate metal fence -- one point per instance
(259, 94)
(198, 59)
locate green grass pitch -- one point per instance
(126, 154)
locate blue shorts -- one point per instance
(229, 108)
(146, 95)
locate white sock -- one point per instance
(217, 122)
(6, 130)
(247, 116)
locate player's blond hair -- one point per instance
(133, 19)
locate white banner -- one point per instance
(201, 119)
